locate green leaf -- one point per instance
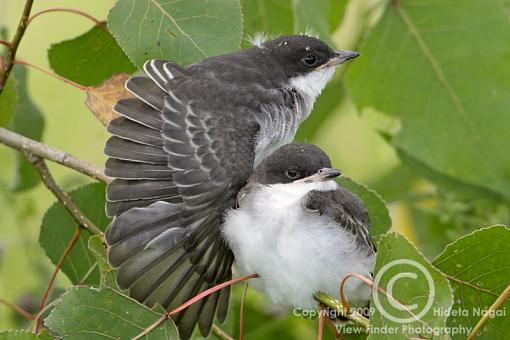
(405, 274)
(446, 182)
(336, 13)
(273, 17)
(28, 121)
(21, 334)
(379, 216)
(477, 266)
(444, 70)
(106, 272)
(17, 334)
(58, 228)
(312, 15)
(105, 313)
(90, 58)
(8, 101)
(183, 31)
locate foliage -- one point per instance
(58, 227)
(185, 31)
(477, 280)
(90, 58)
(440, 72)
(83, 311)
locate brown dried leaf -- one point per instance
(101, 98)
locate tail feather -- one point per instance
(206, 318)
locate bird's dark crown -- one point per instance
(299, 54)
(290, 163)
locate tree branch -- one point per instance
(13, 48)
(62, 196)
(24, 144)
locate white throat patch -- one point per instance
(311, 85)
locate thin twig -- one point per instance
(61, 195)
(46, 308)
(18, 309)
(68, 10)
(191, 301)
(5, 43)
(499, 301)
(68, 249)
(21, 143)
(51, 74)
(220, 333)
(241, 311)
(22, 25)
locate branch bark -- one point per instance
(61, 195)
(13, 48)
(24, 144)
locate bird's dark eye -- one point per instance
(292, 173)
(310, 59)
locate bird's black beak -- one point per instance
(341, 57)
(322, 175)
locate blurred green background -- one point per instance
(428, 215)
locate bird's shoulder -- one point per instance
(347, 210)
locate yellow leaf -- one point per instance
(101, 98)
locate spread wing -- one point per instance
(347, 210)
(178, 163)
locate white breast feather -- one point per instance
(278, 125)
(296, 255)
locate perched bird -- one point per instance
(300, 230)
(182, 150)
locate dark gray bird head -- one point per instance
(295, 163)
(302, 54)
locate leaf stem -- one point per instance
(61, 195)
(322, 317)
(241, 311)
(51, 74)
(67, 10)
(499, 301)
(18, 309)
(68, 249)
(14, 44)
(5, 43)
(191, 301)
(21, 143)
